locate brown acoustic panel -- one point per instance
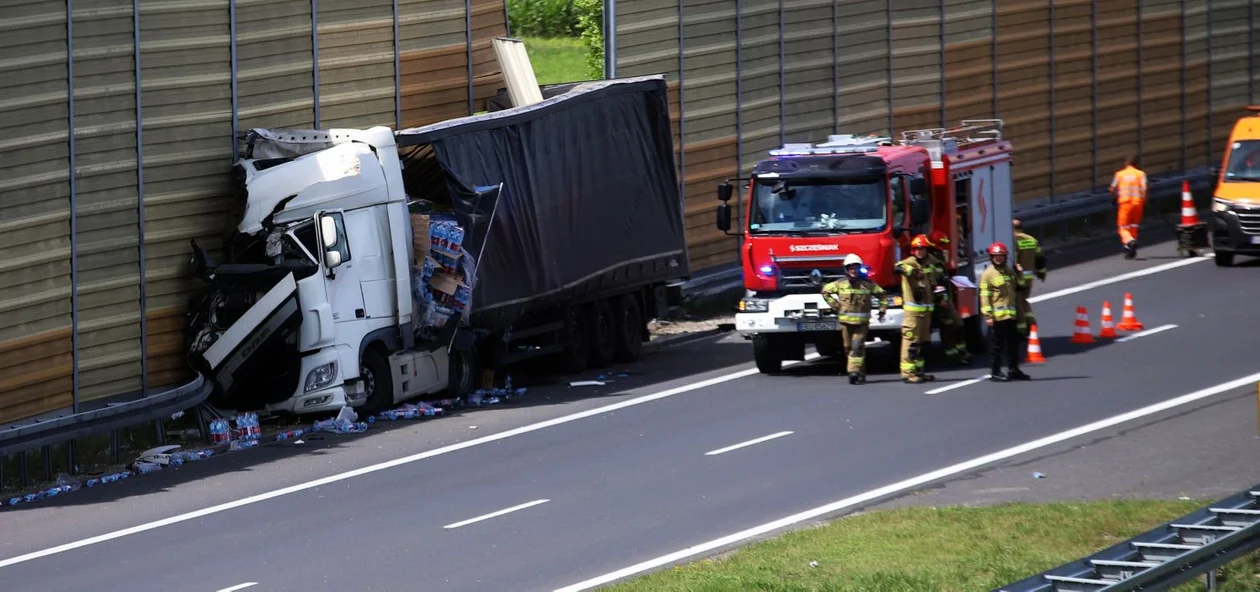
(916, 64)
(1230, 68)
(809, 57)
(166, 338)
(762, 119)
(1023, 84)
(1196, 87)
(1118, 96)
(356, 63)
(647, 38)
(708, 163)
(186, 72)
(35, 374)
(106, 181)
(1161, 92)
(433, 59)
(1073, 97)
(709, 69)
(274, 61)
(34, 210)
(865, 101)
(488, 22)
(675, 117)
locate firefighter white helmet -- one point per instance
(852, 259)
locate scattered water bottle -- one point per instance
(220, 432)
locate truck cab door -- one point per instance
(337, 264)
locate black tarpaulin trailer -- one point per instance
(590, 208)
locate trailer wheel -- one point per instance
(577, 340)
(377, 381)
(629, 329)
(769, 359)
(603, 334)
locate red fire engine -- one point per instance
(810, 205)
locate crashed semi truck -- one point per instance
(371, 266)
(810, 205)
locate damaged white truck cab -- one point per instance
(317, 312)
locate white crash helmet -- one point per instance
(852, 259)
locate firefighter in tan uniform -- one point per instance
(997, 304)
(851, 299)
(946, 317)
(1029, 263)
(916, 324)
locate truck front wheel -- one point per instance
(769, 358)
(377, 381)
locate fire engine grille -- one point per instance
(800, 280)
(1249, 219)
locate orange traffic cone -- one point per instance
(1189, 215)
(1108, 324)
(1034, 348)
(1082, 333)
(1129, 321)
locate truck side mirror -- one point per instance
(332, 259)
(918, 186)
(725, 191)
(724, 216)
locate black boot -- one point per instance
(997, 376)
(1017, 374)
(855, 378)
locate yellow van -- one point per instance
(1235, 218)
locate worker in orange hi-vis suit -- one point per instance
(1128, 190)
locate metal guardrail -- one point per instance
(1165, 556)
(45, 431)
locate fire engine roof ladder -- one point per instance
(1164, 556)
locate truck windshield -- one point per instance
(1244, 161)
(820, 205)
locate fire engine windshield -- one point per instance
(1244, 161)
(819, 205)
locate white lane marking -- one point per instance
(1120, 278)
(911, 483)
(957, 385)
(748, 443)
(239, 587)
(496, 514)
(1128, 338)
(253, 499)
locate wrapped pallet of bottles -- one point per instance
(442, 273)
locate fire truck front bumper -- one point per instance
(800, 313)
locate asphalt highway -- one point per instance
(592, 491)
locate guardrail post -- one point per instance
(1210, 576)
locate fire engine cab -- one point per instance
(810, 205)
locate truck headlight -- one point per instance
(748, 305)
(1219, 205)
(320, 377)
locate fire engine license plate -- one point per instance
(817, 326)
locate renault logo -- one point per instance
(816, 277)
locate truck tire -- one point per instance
(1223, 258)
(629, 329)
(577, 340)
(462, 375)
(603, 334)
(769, 359)
(377, 380)
(974, 330)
